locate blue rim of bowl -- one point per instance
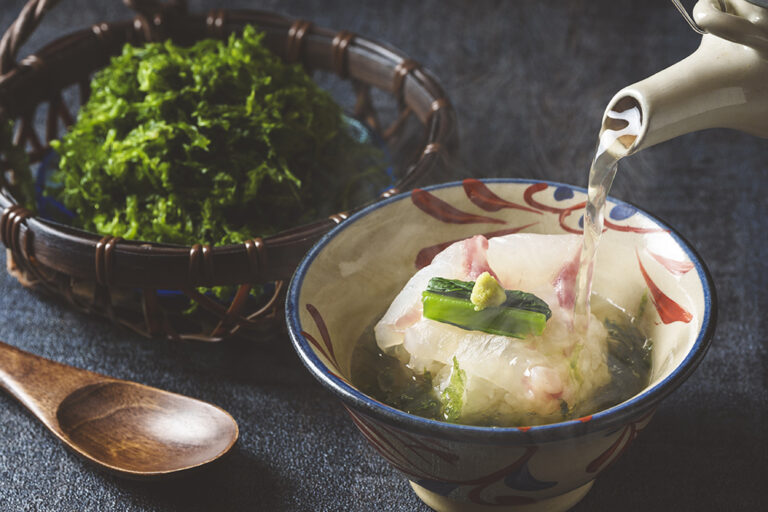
(613, 417)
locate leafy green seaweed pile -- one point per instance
(214, 143)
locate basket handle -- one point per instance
(32, 13)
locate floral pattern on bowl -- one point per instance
(338, 291)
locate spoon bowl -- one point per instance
(138, 429)
(130, 429)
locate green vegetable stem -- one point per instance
(448, 301)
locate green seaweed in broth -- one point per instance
(628, 356)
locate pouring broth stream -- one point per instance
(620, 131)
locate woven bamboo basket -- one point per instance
(129, 281)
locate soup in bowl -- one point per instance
(511, 459)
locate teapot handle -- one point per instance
(150, 13)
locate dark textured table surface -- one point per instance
(530, 80)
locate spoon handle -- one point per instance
(38, 383)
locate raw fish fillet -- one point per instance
(509, 381)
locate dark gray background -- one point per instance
(530, 80)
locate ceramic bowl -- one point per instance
(346, 282)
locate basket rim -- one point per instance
(57, 246)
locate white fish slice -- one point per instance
(529, 377)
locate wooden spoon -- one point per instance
(130, 429)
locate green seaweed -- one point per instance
(214, 143)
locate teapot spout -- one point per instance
(721, 85)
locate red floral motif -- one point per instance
(444, 212)
(379, 436)
(528, 196)
(385, 448)
(610, 455)
(325, 348)
(669, 310)
(675, 267)
(563, 213)
(481, 195)
(631, 229)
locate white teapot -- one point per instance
(724, 83)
